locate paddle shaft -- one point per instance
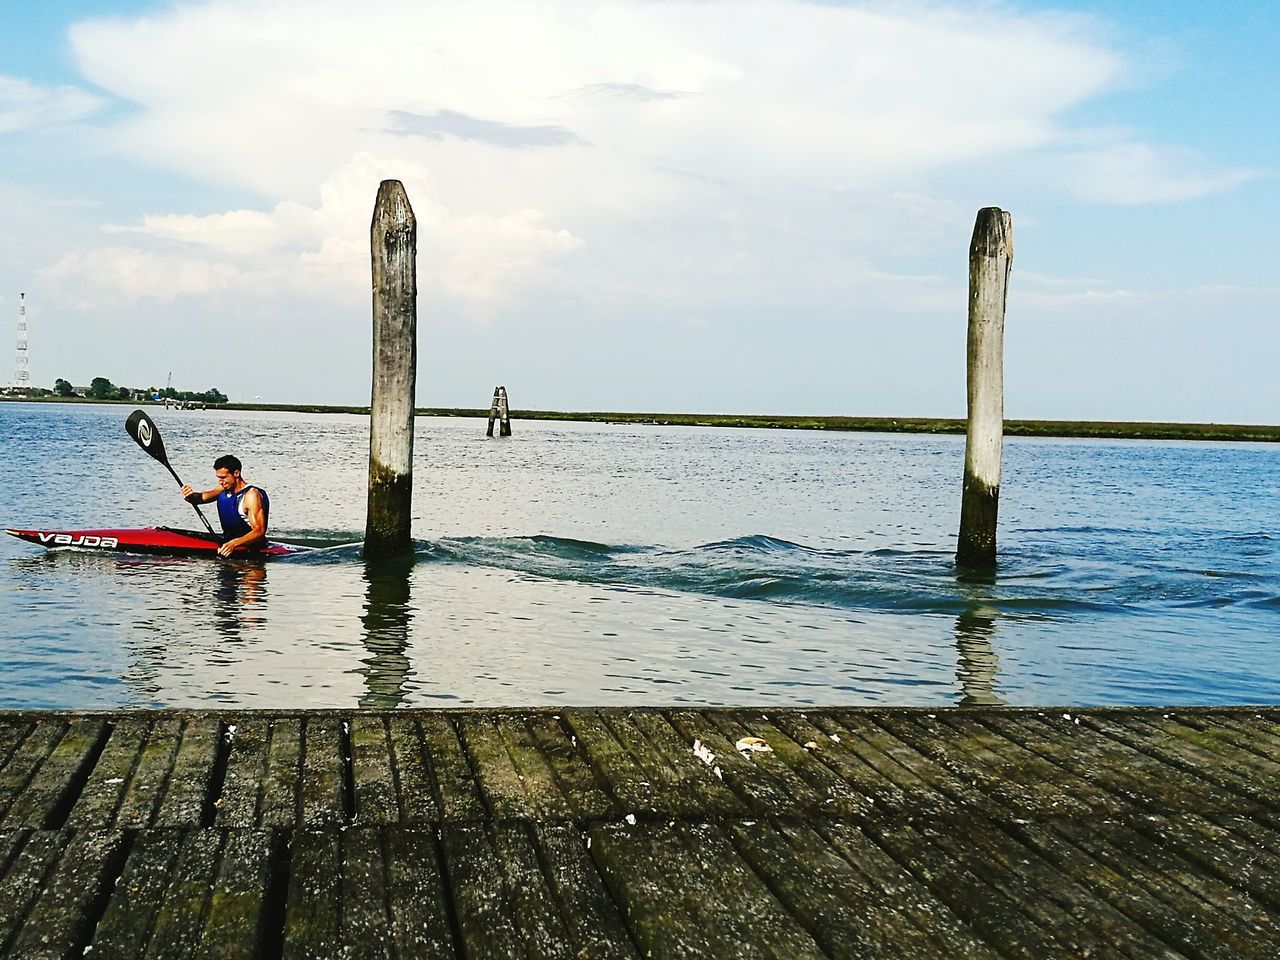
(194, 506)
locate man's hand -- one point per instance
(226, 549)
(187, 491)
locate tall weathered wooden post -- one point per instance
(393, 242)
(990, 258)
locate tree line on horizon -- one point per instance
(101, 388)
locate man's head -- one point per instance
(227, 470)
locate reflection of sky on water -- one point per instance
(604, 565)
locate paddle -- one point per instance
(147, 435)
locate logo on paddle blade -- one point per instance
(144, 433)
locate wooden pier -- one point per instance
(586, 833)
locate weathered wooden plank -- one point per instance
(1259, 925)
(482, 903)
(312, 922)
(27, 758)
(595, 926)
(801, 774)
(1052, 787)
(1220, 852)
(372, 775)
(126, 925)
(1236, 731)
(927, 785)
(419, 925)
(842, 909)
(412, 768)
(1123, 889)
(998, 918)
(683, 888)
(458, 793)
(500, 781)
(611, 763)
(538, 922)
(96, 807)
(25, 877)
(245, 778)
(322, 772)
(234, 924)
(178, 922)
(279, 806)
(843, 784)
(1184, 762)
(572, 768)
(1215, 909)
(1014, 784)
(670, 793)
(13, 730)
(364, 895)
(1253, 830)
(1248, 772)
(187, 792)
(543, 793)
(896, 887)
(57, 781)
(685, 773)
(11, 841)
(150, 776)
(60, 923)
(1146, 781)
(1074, 918)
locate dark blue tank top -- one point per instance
(230, 511)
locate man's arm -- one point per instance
(190, 494)
(257, 525)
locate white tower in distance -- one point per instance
(21, 371)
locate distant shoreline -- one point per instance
(1106, 430)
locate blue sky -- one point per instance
(752, 206)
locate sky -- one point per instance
(750, 206)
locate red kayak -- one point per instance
(161, 540)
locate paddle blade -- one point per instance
(147, 435)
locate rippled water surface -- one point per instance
(611, 564)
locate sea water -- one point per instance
(622, 564)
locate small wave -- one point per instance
(888, 580)
(756, 543)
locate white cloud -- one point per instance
(770, 89)
(26, 106)
(478, 259)
(1136, 173)
(134, 274)
(727, 146)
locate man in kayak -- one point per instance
(242, 508)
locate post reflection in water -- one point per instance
(239, 597)
(978, 663)
(386, 620)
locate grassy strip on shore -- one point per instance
(1116, 430)
(1013, 428)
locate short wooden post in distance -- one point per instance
(504, 413)
(393, 242)
(990, 259)
(493, 411)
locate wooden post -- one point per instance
(990, 258)
(498, 411)
(393, 242)
(504, 430)
(493, 410)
